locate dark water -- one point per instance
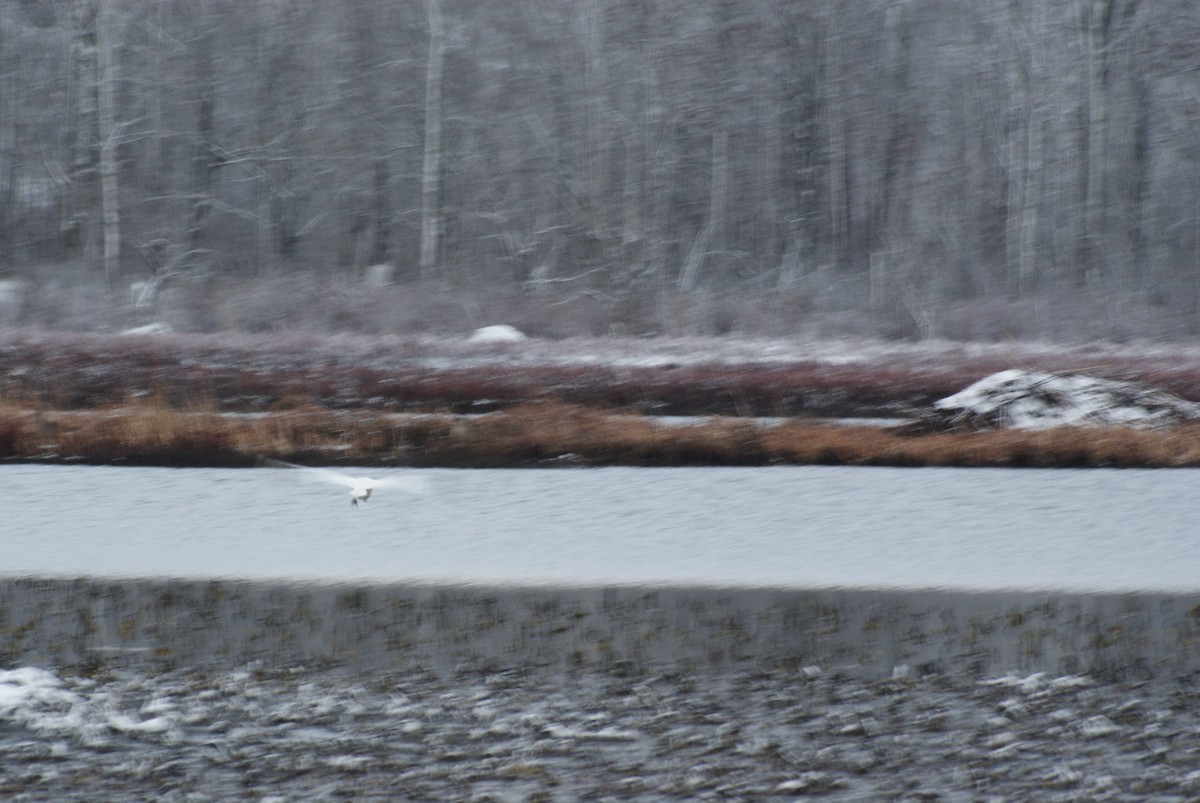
(973, 528)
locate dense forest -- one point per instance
(904, 168)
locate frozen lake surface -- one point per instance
(779, 526)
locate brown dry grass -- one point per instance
(156, 435)
(1055, 448)
(150, 433)
(165, 401)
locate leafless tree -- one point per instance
(637, 163)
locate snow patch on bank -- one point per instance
(1039, 400)
(501, 333)
(156, 328)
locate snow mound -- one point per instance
(1037, 400)
(502, 333)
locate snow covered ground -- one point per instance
(503, 343)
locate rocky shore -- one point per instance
(266, 734)
(215, 691)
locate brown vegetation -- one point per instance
(101, 370)
(232, 373)
(544, 434)
(219, 401)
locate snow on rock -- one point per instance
(36, 699)
(1037, 400)
(501, 333)
(18, 687)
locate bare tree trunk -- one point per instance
(714, 226)
(8, 150)
(1099, 22)
(203, 160)
(1030, 203)
(382, 211)
(1024, 156)
(75, 226)
(717, 211)
(632, 188)
(1093, 22)
(431, 216)
(632, 231)
(839, 180)
(106, 59)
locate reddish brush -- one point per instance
(165, 400)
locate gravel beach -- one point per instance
(199, 690)
(255, 734)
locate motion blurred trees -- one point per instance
(895, 161)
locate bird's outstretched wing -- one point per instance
(326, 474)
(413, 484)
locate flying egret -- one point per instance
(360, 487)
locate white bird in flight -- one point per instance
(360, 487)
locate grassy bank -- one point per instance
(225, 400)
(543, 434)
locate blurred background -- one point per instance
(964, 169)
